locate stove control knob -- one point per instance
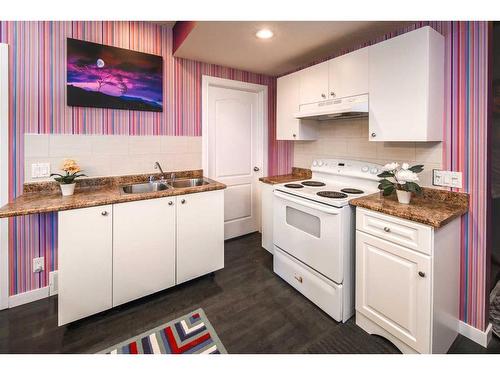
(374, 170)
(365, 169)
(315, 163)
(320, 163)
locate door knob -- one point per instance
(256, 169)
(170, 203)
(374, 135)
(104, 213)
(183, 201)
(421, 274)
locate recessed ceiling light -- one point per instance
(264, 34)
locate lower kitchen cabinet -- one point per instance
(109, 255)
(200, 234)
(84, 262)
(266, 193)
(407, 281)
(143, 248)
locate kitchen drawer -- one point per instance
(399, 231)
(317, 288)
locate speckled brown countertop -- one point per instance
(297, 174)
(42, 197)
(434, 207)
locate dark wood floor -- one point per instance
(252, 310)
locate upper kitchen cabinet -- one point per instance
(314, 83)
(406, 87)
(348, 74)
(287, 104)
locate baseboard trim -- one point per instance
(27, 297)
(476, 335)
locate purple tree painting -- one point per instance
(110, 77)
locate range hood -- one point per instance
(333, 109)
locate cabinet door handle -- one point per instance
(183, 201)
(104, 213)
(256, 169)
(323, 96)
(170, 203)
(421, 274)
(387, 229)
(299, 279)
(332, 94)
(294, 135)
(374, 135)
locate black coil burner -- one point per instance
(352, 191)
(313, 183)
(294, 186)
(331, 194)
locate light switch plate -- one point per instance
(40, 170)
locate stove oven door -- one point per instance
(311, 232)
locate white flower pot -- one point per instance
(404, 197)
(67, 189)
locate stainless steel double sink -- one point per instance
(154, 186)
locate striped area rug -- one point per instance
(190, 334)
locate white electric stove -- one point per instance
(313, 232)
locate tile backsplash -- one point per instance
(112, 155)
(348, 139)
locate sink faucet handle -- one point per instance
(172, 176)
(151, 178)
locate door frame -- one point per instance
(262, 120)
(4, 174)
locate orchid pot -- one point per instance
(402, 178)
(67, 179)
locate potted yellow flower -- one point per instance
(67, 181)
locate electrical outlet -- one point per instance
(53, 283)
(38, 264)
(447, 178)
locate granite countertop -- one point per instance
(298, 174)
(43, 197)
(434, 207)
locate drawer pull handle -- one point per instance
(421, 274)
(104, 213)
(387, 229)
(298, 278)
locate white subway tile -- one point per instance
(429, 152)
(140, 145)
(36, 145)
(69, 146)
(110, 145)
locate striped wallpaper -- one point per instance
(38, 105)
(38, 61)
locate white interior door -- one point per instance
(234, 141)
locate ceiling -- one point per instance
(295, 43)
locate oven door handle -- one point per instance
(305, 203)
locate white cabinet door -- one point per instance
(406, 86)
(84, 262)
(393, 289)
(143, 248)
(314, 83)
(200, 234)
(348, 74)
(287, 105)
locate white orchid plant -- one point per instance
(400, 177)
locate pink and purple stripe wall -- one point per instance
(37, 84)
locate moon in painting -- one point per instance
(100, 63)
